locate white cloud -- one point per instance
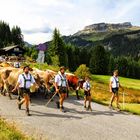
(37, 38)
(39, 17)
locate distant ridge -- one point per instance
(105, 27)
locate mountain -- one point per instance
(104, 27)
(119, 39)
(28, 44)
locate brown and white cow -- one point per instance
(9, 77)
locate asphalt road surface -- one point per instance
(48, 123)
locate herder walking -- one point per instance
(25, 80)
(61, 86)
(114, 86)
(87, 87)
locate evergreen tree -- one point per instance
(99, 61)
(84, 56)
(5, 34)
(73, 57)
(17, 37)
(57, 50)
(121, 65)
(111, 65)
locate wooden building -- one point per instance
(15, 50)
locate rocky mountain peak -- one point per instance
(104, 27)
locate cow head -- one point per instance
(6, 74)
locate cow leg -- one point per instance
(78, 98)
(7, 91)
(2, 90)
(46, 93)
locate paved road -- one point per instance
(77, 124)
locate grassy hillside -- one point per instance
(100, 92)
(125, 82)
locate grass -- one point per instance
(43, 66)
(9, 132)
(133, 108)
(100, 92)
(125, 82)
(129, 107)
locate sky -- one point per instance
(38, 18)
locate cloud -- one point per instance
(37, 38)
(37, 18)
(44, 29)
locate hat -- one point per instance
(62, 67)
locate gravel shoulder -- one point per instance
(48, 123)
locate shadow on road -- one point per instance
(38, 113)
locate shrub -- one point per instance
(82, 71)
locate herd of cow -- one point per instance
(44, 79)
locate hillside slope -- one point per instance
(119, 39)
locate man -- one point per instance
(86, 87)
(24, 83)
(114, 86)
(17, 64)
(61, 86)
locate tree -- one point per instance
(32, 52)
(82, 71)
(111, 65)
(99, 61)
(73, 57)
(57, 50)
(84, 56)
(122, 65)
(17, 37)
(5, 34)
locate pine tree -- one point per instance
(111, 65)
(99, 61)
(17, 37)
(84, 56)
(57, 50)
(5, 34)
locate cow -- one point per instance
(75, 83)
(5, 64)
(46, 78)
(9, 77)
(4, 74)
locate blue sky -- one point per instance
(38, 18)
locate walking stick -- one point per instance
(50, 99)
